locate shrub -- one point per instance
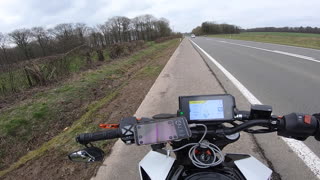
(162, 39)
(116, 50)
(124, 49)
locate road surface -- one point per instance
(186, 73)
(288, 78)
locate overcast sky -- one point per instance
(183, 15)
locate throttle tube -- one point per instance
(298, 126)
(317, 134)
(86, 138)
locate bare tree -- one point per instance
(105, 30)
(63, 37)
(4, 41)
(39, 41)
(163, 27)
(115, 25)
(119, 27)
(64, 34)
(3, 47)
(22, 38)
(111, 32)
(96, 39)
(142, 25)
(139, 27)
(135, 28)
(149, 21)
(42, 38)
(125, 26)
(81, 31)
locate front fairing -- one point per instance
(159, 166)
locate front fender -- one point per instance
(155, 166)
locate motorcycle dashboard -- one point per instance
(207, 108)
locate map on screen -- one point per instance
(206, 109)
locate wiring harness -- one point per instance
(217, 154)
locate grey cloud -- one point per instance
(183, 14)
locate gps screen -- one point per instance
(206, 109)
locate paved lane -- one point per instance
(289, 80)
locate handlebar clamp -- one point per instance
(127, 129)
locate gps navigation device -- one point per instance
(207, 107)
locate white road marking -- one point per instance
(275, 51)
(309, 49)
(305, 153)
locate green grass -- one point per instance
(65, 139)
(41, 112)
(76, 63)
(150, 70)
(292, 39)
(35, 112)
(7, 86)
(282, 34)
(150, 43)
(11, 126)
(106, 53)
(45, 107)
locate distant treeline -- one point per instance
(214, 28)
(301, 29)
(25, 44)
(39, 56)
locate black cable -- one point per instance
(243, 126)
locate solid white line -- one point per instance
(275, 51)
(309, 49)
(297, 55)
(297, 47)
(247, 46)
(305, 154)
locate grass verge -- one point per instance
(292, 39)
(72, 91)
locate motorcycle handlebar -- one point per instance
(294, 125)
(246, 125)
(86, 138)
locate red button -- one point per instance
(307, 119)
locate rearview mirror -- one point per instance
(87, 155)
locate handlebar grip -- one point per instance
(298, 126)
(86, 138)
(317, 134)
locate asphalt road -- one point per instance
(288, 78)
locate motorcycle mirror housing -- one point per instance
(87, 155)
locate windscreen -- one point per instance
(206, 109)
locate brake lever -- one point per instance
(109, 126)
